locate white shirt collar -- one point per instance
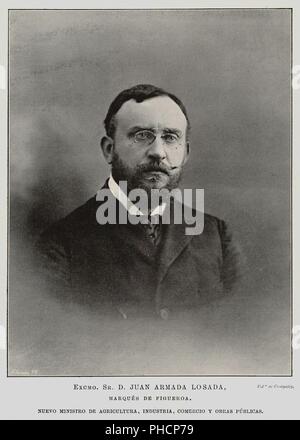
(127, 203)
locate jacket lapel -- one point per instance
(174, 241)
(129, 235)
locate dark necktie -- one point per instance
(153, 230)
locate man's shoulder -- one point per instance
(79, 220)
(212, 220)
(209, 220)
(214, 227)
(211, 223)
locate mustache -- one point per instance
(155, 167)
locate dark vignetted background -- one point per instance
(232, 70)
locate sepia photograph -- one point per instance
(150, 156)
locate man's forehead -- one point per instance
(160, 111)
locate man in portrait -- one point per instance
(149, 268)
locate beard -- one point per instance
(153, 175)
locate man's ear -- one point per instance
(107, 146)
(187, 153)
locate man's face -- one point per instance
(150, 145)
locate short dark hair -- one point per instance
(139, 93)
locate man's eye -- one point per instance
(170, 138)
(143, 136)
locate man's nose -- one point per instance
(156, 150)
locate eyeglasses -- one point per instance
(147, 137)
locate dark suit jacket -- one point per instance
(117, 268)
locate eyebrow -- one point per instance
(137, 128)
(173, 130)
